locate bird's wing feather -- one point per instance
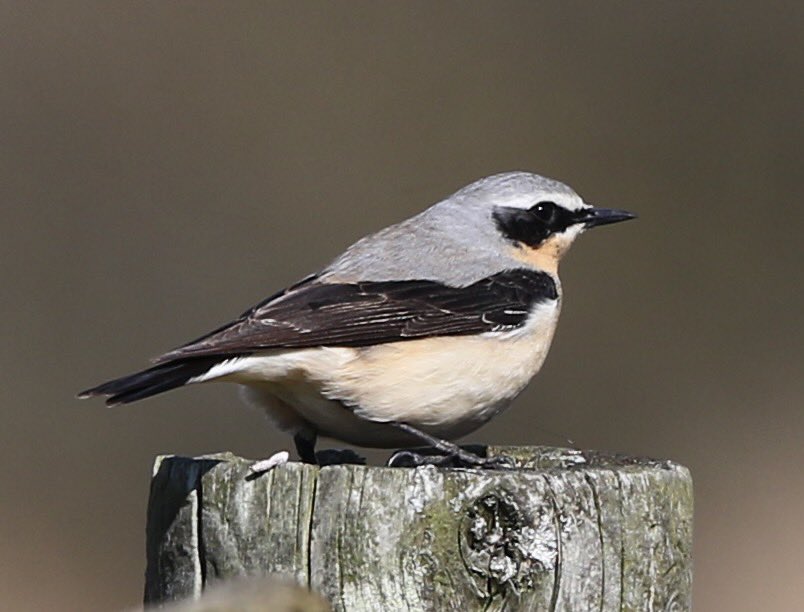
(314, 313)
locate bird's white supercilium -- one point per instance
(419, 333)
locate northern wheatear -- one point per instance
(421, 332)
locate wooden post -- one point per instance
(568, 530)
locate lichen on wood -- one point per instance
(566, 530)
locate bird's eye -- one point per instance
(545, 211)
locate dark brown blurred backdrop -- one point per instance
(165, 165)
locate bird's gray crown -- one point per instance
(518, 189)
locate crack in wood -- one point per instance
(432, 539)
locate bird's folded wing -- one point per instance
(315, 313)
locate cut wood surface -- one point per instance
(567, 530)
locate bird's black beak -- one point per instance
(592, 217)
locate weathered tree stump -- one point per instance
(568, 530)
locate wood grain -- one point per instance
(567, 530)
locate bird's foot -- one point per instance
(451, 455)
(331, 456)
(338, 456)
(459, 459)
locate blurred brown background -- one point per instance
(165, 165)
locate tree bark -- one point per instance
(567, 530)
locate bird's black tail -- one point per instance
(158, 379)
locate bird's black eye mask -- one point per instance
(534, 225)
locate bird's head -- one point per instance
(537, 218)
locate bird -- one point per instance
(415, 335)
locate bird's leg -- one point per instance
(453, 455)
(305, 446)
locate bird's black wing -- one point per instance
(315, 313)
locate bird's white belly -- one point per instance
(446, 386)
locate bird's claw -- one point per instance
(500, 462)
(404, 458)
(463, 459)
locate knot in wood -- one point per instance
(503, 545)
(571, 531)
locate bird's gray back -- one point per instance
(454, 241)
